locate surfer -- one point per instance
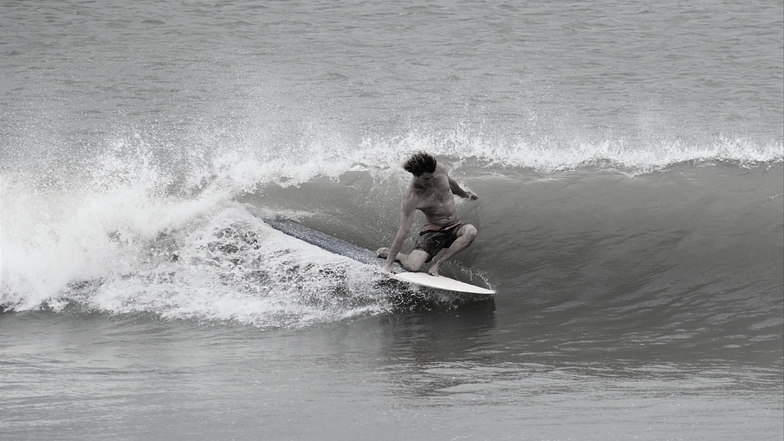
(430, 191)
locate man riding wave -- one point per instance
(431, 191)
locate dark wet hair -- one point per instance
(420, 163)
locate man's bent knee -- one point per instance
(415, 260)
(469, 232)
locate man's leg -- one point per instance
(411, 262)
(465, 236)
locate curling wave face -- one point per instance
(139, 229)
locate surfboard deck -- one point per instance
(441, 282)
(348, 249)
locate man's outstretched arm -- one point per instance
(456, 189)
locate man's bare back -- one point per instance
(431, 192)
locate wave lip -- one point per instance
(549, 155)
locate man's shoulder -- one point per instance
(411, 199)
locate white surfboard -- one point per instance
(441, 282)
(344, 248)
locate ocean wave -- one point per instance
(150, 228)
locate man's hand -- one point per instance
(471, 195)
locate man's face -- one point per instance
(425, 179)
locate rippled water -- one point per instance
(628, 160)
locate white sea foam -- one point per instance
(552, 155)
(122, 251)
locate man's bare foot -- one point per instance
(433, 271)
(383, 252)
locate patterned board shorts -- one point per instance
(432, 242)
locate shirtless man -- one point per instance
(431, 191)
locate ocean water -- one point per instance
(629, 162)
